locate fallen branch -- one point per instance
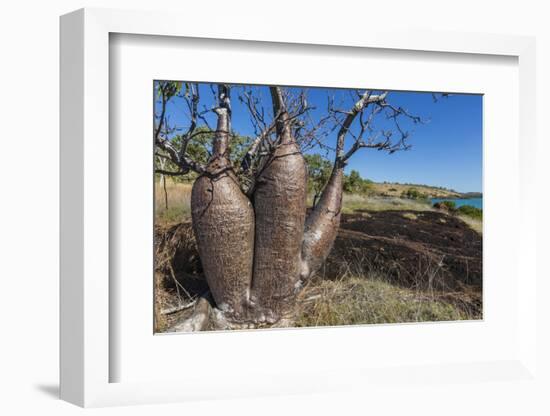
(178, 308)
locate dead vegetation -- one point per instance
(372, 300)
(385, 267)
(179, 281)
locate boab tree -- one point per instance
(256, 243)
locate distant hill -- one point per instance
(472, 195)
(398, 189)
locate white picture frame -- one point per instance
(86, 356)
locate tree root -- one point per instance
(198, 319)
(206, 316)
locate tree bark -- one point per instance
(223, 223)
(324, 220)
(279, 204)
(322, 224)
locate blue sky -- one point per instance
(446, 148)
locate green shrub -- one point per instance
(318, 171)
(413, 193)
(470, 211)
(450, 205)
(355, 184)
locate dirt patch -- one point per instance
(432, 251)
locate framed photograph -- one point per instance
(288, 213)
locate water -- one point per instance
(475, 202)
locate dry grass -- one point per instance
(396, 189)
(353, 203)
(179, 202)
(371, 300)
(178, 276)
(474, 223)
(179, 208)
(348, 291)
(410, 216)
(353, 293)
(357, 292)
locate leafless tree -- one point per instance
(256, 244)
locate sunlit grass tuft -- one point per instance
(475, 224)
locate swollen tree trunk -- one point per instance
(324, 220)
(223, 223)
(322, 224)
(279, 204)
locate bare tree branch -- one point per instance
(366, 98)
(164, 99)
(192, 101)
(177, 157)
(185, 163)
(293, 107)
